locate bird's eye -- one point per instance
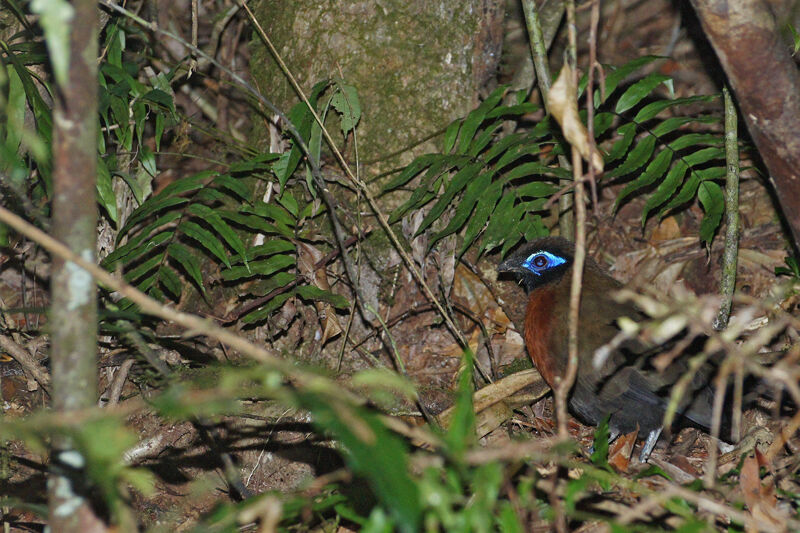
(540, 261)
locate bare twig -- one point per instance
(26, 360)
(728, 279)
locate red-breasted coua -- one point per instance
(625, 387)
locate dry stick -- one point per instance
(360, 185)
(716, 422)
(26, 361)
(728, 279)
(544, 80)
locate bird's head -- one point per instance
(540, 262)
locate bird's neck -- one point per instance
(539, 321)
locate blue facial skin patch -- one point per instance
(539, 262)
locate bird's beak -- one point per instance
(510, 265)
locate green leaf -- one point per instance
(690, 186)
(190, 265)
(206, 239)
(654, 171)
(143, 268)
(345, 102)
(450, 136)
(310, 292)
(105, 192)
(264, 311)
(666, 189)
(210, 217)
(638, 91)
(651, 110)
(373, 452)
(710, 195)
(636, 158)
(616, 75)
(462, 178)
(170, 281)
(620, 148)
(55, 18)
(271, 247)
(599, 456)
(485, 207)
(265, 267)
(423, 191)
(230, 183)
(464, 207)
(476, 118)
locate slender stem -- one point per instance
(729, 256)
(544, 80)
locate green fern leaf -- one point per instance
(206, 239)
(188, 262)
(639, 91)
(710, 195)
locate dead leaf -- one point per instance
(563, 105)
(619, 453)
(760, 497)
(307, 258)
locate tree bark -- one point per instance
(746, 37)
(73, 315)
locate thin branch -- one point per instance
(729, 256)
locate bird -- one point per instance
(625, 388)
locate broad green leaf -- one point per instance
(620, 148)
(289, 203)
(696, 139)
(666, 189)
(504, 220)
(264, 311)
(673, 123)
(689, 188)
(373, 452)
(484, 139)
(654, 171)
(151, 206)
(271, 247)
(450, 136)
(638, 91)
(651, 110)
(517, 109)
(134, 242)
(615, 76)
(637, 157)
(422, 191)
(416, 166)
(464, 207)
(189, 183)
(345, 102)
(310, 292)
